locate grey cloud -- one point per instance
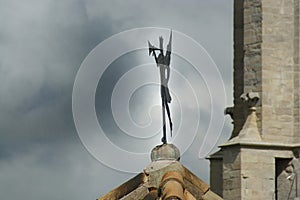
(45, 42)
(55, 172)
(42, 44)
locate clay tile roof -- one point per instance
(163, 179)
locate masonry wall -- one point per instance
(280, 73)
(285, 179)
(216, 175)
(250, 172)
(257, 174)
(266, 60)
(231, 174)
(238, 114)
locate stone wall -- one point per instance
(266, 60)
(249, 171)
(285, 179)
(247, 55)
(280, 104)
(296, 70)
(257, 174)
(238, 75)
(231, 173)
(216, 175)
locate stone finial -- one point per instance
(165, 152)
(249, 132)
(250, 99)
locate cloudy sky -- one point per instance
(43, 44)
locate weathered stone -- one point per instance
(165, 152)
(266, 61)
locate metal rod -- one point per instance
(164, 138)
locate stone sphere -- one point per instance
(165, 152)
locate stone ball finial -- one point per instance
(165, 152)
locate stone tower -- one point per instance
(260, 161)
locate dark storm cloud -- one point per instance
(42, 44)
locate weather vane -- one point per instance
(163, 62)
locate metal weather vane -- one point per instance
(163, 62)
